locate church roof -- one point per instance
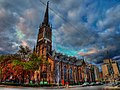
(46, 16)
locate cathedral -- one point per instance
(61, 68)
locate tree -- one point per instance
(1, 60)
(24, 51)
(28, 67)
(36, 63)
(4, 59)
(17, 69)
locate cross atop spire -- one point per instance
(46, 16)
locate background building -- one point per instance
(110, 70)
(97, 73)
(93, 73)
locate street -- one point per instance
(54, 88)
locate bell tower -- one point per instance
(44, 40)
(44, 48)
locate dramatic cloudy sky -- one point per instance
(80, 27)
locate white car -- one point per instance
(85, 84)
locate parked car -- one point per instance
(99, 83)
(116, 84)
(109, 84)
(93, 84)
(9, 81)
(85, 84)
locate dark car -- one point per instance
(116, 84)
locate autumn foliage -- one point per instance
(17, 68)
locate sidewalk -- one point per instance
(112, 88)
(54, 87)
(9, 86)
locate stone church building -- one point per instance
(61, 68)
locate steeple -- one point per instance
(44, 40)
(46, 16)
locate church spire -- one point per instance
(46, 16)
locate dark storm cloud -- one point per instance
(103, 37)
(17, 22)
(7, 22)
(56, 1)
(89, 28)
(111, 19)
(76, 37)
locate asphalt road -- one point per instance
(56, 88)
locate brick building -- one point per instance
(61, 68)
(110, 70)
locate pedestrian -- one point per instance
(67, 84)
